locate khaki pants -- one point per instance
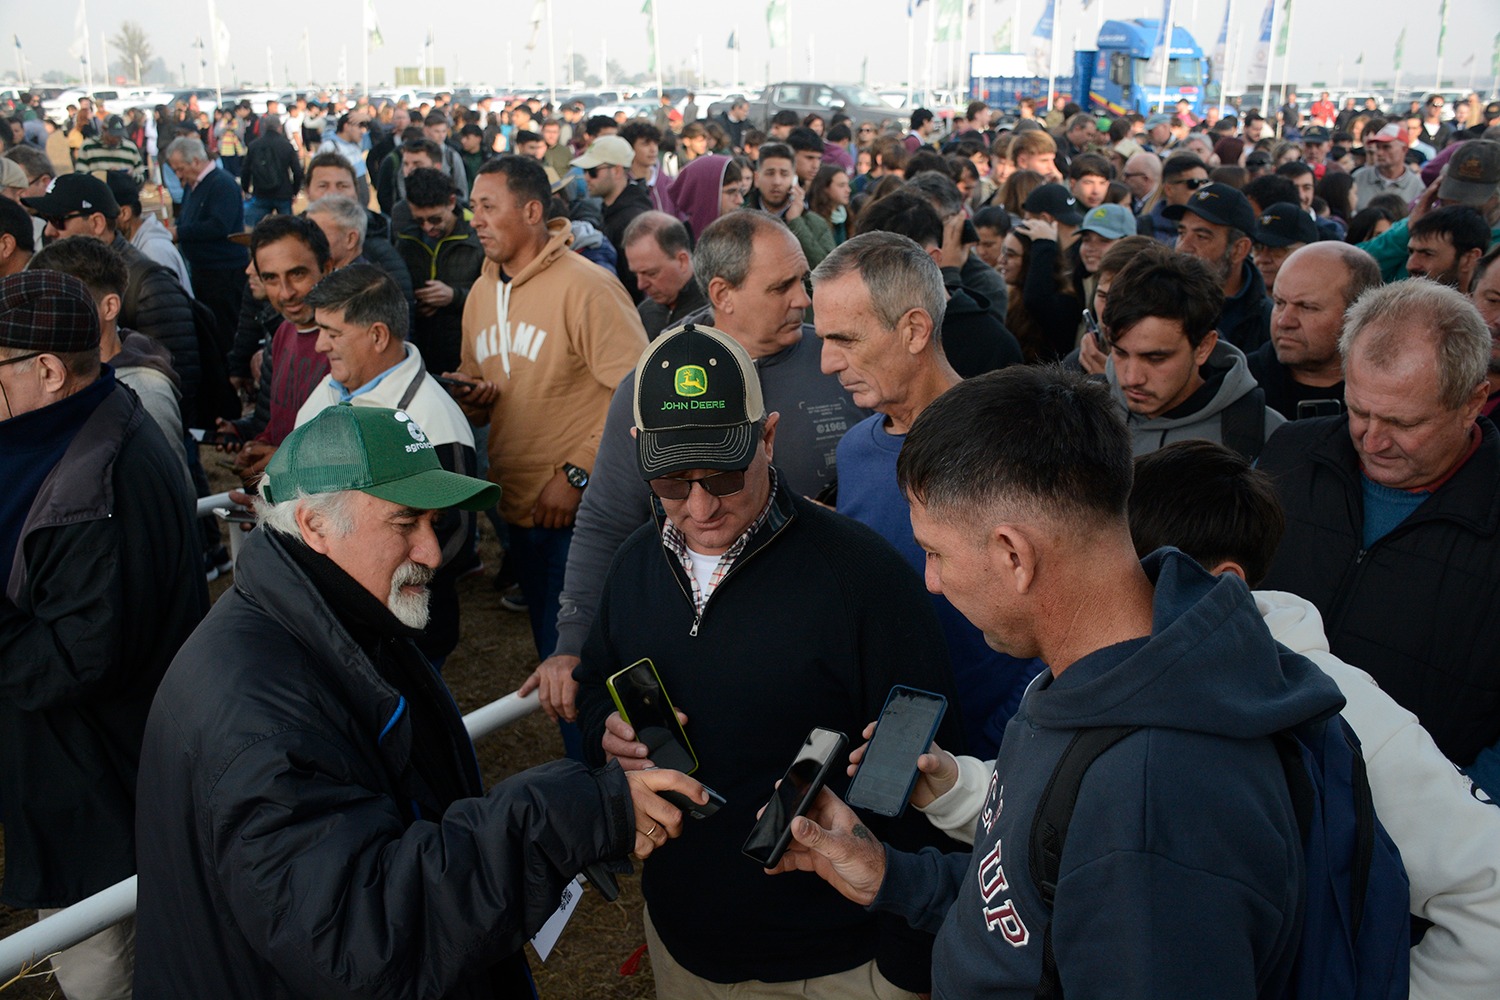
(97, 968)
(673, 982)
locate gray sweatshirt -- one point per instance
(815, 412)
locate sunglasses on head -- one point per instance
(720, 484)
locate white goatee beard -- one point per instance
(410, 609)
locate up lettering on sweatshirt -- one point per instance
(999, 910)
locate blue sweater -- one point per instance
(212, 211)
(989, 684)
(1183, 871)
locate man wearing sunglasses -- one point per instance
(764, 615)
(443, 257)
(103, 574)
(1181, 175)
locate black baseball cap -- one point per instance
(47, 312)
(70, 193)
(1057, 201)
(697, 401)
(1316, 133)
(115, 125)
(124, 188)
(1284, 224)
(1220, 204)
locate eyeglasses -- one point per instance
(57, 222)
(1192, 183)
(435, 221)
(721, 484)
(19, 358)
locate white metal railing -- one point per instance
(88, 917)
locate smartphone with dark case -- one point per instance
(772, 834)
(888, 770)
(642, 700)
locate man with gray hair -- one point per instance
(753, 272)
(879, 299)
(212, 211)
(314, 822)
(1392, 526)
(659, 252)
(345, 222)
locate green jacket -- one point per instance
(1390, 252)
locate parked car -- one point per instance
(858, 102)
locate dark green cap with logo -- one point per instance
(374, 450)
(697, 400)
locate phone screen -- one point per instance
(907, 725)
(643, 703)
(799, 786)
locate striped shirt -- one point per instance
(97, 157)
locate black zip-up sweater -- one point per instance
(813, 624)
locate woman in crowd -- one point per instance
(991, 223)
(705, 189)
(1017, 263)
(1339, 191)
(1016, 189)
(828, 201)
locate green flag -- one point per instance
(1442, 26)
(650, 37)
(1286, 20)
(1400, 48)
(776, 23)
(1495, 57)
(947, 25)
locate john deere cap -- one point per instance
(374, 450)
(697, 399)
(1113, 222)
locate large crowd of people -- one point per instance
(1163, 435)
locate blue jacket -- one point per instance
(212, 211)
(1183, 872)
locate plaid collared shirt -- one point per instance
(674, 542)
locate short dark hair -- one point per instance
(1271, 189)
(525, 177)
(1090, 165)
(753, 137)
(804, 140)
(1181, 163)
(1159, 283)
(840, 132)
(992, 217)
(920, 117)
(907, 213)
(89, 260)
(786, 117)
(774, 151)
(428, 187)
(1041, 437)
(425, 146)
(524, 136)
(597, 124)
(634, 131)
(1293, 169)
(328, 159)
(15, 222)
(923, 161)
(435, 117)
(275, 228)
(365, 294)
(1208, 501)
(1463, 226)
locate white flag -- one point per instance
(1039, 59)
(537, 13)
(372, 26)
(80, 47)
(221, 39)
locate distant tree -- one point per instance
(134, 49)
(580, 67)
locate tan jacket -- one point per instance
(557, 339)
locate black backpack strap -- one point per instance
(1364, 818)
(1049, 830)
(1243, 424)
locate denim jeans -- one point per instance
(258, 208)
(541, 558)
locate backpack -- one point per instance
(216, 396)
(1356, 933)
(267, 175)
(1242, 424)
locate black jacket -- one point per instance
(815, 621)
(456, 261)
(1245, 320)
(1420, 609)
(632, 202)
(1283, 392)
(292, 848)
(974, 341)
(156, 304)
(106, 584)
(272, 168)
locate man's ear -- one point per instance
(311, 526)
(1014, 554)
(109, 307)
(1232, 568)
(719, 291)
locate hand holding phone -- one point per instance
(888, 768)
(794, 795)
(642, 701)
(832, 843)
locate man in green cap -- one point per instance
(314, 813)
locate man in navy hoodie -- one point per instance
(1183, 871)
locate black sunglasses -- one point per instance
(57, 222)
(721, 484)
(1192, 183)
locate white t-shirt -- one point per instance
(703, 570)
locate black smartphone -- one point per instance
(643, 703)
(1319, 408)
(888, 771)
(1092, 326)
(821, 752)
(691, 808)
(454, 383)
(236, 515)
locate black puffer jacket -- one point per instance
(293, 848)
(156, 305)
(106, 585)
(1420, 609)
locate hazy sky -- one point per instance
(487, 39)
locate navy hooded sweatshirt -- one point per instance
(1182, 874)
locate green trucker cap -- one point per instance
(374, 450)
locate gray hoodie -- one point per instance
(1227, 380)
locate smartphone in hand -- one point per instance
(772, 834)
(642, 701)
(888, 770)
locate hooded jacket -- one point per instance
(146, 367)
(293, 847)
(557, 338)
(1227, 380)
(156, 305)
(633, 201)
(1447, 836)
(1183, 874)
(456, 260)
(696, 192)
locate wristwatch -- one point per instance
(577, 478)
